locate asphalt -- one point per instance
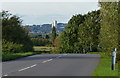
(52, 65)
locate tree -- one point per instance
(53, 34)
(81, 32)
(89, 31)
(69, 38)
(109, 26)
(12, 31)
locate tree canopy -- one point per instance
(81, 33)
(109, 26)
(13, 32)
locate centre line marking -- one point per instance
(5, 75)
(27, 67)
(33, 65)
(47, 60)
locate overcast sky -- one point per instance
(47, 12)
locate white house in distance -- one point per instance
(54, 24)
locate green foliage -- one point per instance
(14, 33)
(11, 47)
(118, 55)
(81, 32)
(109, 26)
(42, 49)
(69, 38)
(53, 36)
(57, 42)
(40, 42)
(89, 31)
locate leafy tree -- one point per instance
(89, 31)
(53, 36)
(81, 32)
(109, 26)
(69, 38)
(13, 32)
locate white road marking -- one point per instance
(33, 65)
(5, 75)
(24, 69)
(35, 55)
(50, 60)
(44, 61)
(27, 67)
(47, 60)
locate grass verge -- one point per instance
(104, 68)
(6, 56)
(12, 56)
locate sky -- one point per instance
(46, 12)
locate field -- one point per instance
(42, 48)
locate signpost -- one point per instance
(114, 58)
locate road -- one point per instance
(52, 65)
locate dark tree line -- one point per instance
(41, 42)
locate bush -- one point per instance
(57, 42)
(11, 47)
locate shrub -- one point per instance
(57, 42)
(11, 47)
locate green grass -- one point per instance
(104, 67)
(42, 48)
(12, 56)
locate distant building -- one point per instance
(54, 24)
